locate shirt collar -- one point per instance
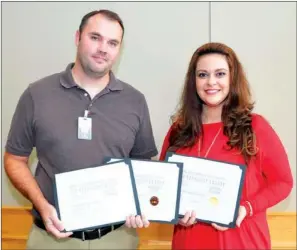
(67, 80)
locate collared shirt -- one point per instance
(46, 118)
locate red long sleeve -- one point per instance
(165, 145)
(274, 165)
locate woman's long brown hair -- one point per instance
(236, 113)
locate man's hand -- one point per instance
(52, 223)
(136, 221)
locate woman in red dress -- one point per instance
(215, 121)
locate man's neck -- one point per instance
(211, 114)
(92, 85)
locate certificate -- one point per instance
(97, 196)
(211, 188)
(158, 187)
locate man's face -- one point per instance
(98, 45)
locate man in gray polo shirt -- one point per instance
(47, 117)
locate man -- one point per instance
(48, 117)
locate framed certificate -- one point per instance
(211, 188)
(96, 196)
(158, 187)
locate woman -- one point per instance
(215, 121)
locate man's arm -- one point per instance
(20, 142)
(17, 170)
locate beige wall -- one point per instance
(38, 40)
(264, 37)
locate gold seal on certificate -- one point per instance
(154, 201)
(214, 201)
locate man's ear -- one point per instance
(77, 37)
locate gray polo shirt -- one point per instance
(47, 114)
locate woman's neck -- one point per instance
(211, 114)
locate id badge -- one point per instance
(84, 128)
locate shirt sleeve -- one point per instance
(165, 145)
(275, 167)
(144, 146)
(21, 136)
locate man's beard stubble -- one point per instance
(91, 71)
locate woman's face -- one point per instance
(212, 79)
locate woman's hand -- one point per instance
(188, 220)
(240, 218)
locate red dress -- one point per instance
(268, 181)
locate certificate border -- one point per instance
(177, 204)
(242, 167)
(127, 162)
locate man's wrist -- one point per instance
(40, 203)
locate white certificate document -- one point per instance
(211, 188)
(96, 196)
(158, 187)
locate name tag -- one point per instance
(84, 128)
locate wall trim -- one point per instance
(282, 228)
